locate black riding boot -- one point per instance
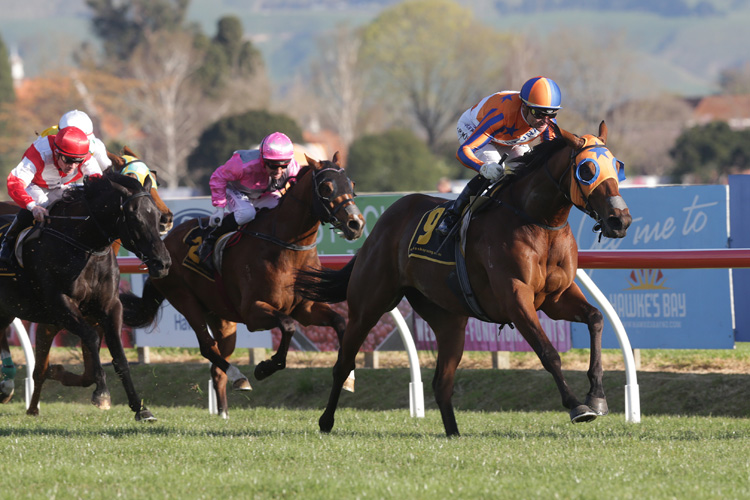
(23, 219)
(454, 210)
(228, 224)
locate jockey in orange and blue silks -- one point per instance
(502, 124)
(250, 180)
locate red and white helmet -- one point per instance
(78, 119)
(72, 142)
(277, 147)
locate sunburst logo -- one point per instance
(647, 279)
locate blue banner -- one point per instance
(739, 215)
(666, 308)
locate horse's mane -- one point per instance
(94, 184)
(534, 159)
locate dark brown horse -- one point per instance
(255, 285)
(59, 372)
(521, 257)
(69, 276)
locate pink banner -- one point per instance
(481, 336)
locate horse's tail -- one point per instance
(324, 285)
(139, 312)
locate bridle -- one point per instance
(321, 203)
(587, 209)
(122, 220)
(569, 171)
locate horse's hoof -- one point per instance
(267, 368)
(223, 414)
(102, 401)
(34, 412)
(348, 385)
(144, 415)
(599, 405)
(582, 413)
(325, 424)
(242, 384)
(7, 389)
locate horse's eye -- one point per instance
(587, 172)
(325, 189)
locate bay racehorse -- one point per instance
(68, 275)
(59, 372)
(255, 281)
(519, 254)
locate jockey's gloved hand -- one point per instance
(39, 213)
(216, 217)
(492, 171)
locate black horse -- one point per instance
(68, 275)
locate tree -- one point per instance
(245, 131)
(396, 160)
(709, 152)
(7, 94)
(338, 79)
(122, 26)
(594, 77)
(183, 80)
(434, 59)
(229, 59)
(735, 80)
(169, 106)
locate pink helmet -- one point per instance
(277, 147)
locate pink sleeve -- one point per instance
(230, 171)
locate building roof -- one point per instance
(733, 109)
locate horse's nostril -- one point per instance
(354, 224)
(614, 223)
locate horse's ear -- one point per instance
(127, 151)
(335, 159)
(117, 161)
(312, 162)
(147, 184)
(572, 139)
(603, 132)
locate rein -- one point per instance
(321, 210)
(91, 251)
(280, 242)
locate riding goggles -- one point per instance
(69, 160)
(542, 112)
(276, 164)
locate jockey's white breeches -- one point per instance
(245, 208)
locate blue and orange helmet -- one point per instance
(541, 92)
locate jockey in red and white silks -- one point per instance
(48, 166)
(79, 119)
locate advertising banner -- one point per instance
(666, 308)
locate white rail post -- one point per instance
(632, 397)
(416, 389)
(28, 352)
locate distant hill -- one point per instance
(682, 44)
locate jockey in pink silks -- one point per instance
(250, 180)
